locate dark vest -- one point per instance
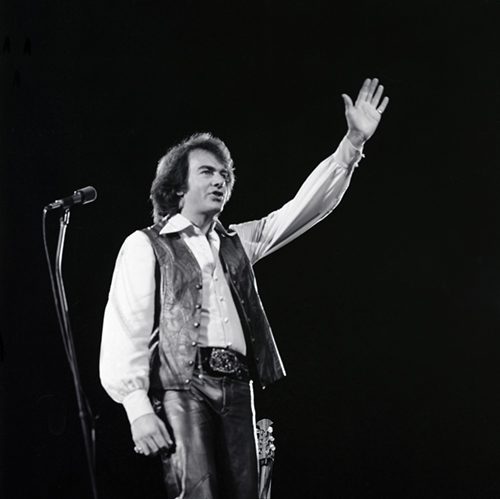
(175, 340)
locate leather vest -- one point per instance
(178, 310)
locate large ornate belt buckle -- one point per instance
(223, 361)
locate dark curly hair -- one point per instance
(173, 170)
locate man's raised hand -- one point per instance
(364, 115)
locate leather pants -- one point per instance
(213, 427)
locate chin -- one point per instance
(215, 210)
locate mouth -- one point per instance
(217, 195)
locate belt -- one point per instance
(221, 362)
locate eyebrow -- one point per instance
(213, 168)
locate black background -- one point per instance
(386, 313)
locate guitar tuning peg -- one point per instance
(272, 447)
(270, 429)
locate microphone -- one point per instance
(80, 196)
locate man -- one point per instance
(184, 330)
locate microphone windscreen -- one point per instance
(88, 194)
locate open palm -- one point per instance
(364, 115)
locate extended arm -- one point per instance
(325, 186)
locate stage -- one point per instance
(386, 313)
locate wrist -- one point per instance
(137, 404)
(356, 138)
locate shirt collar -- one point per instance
(179, 223)
(176, 223)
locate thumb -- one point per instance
(347, 102)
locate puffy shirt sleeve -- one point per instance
(128, 321)
(321, 192)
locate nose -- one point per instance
(218, 180)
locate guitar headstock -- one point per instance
(265, 440)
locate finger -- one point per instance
(159, 442)
(146, 446)
(347, 102)
(152, 447)
(378, 95)
(383, 105)
(141, 448)
(371, 89)
(166, 435)
(363, 91)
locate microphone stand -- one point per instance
(83, 409)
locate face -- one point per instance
(207, 185)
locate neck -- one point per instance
(203, 221)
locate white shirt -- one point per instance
(220, 324)
(129, 314)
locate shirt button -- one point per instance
(221, 298)
(193, 343)
(253, 339)
(257, 359)
(198, 286)
(191, 362)
(187, 381)
(226, 319)
(216, 278)
(197, 306)
(196, 324)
